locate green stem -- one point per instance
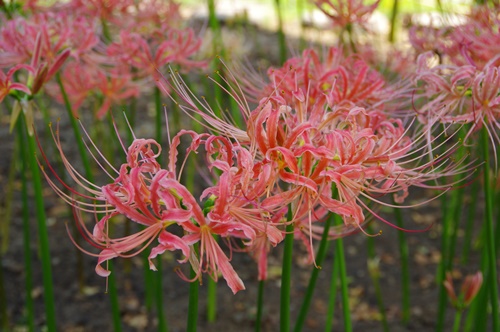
(351, 38)
(447, 206)
(452, 209)
(217, 46)
(158, 290)
(339, 250)
(90, 177)
(131, 115)
(162, 322)
(113, 296)
(320, 256)
(105, 31)
(30, 309)
(158, 113)
(260, 306)
(405, 267)
(43, 236)
(286, 275)
(149, 288)
(300, 16)
(374, 271)
(6, 210)
(76, 130)
(211, 300)
(470, 222)
(281, 34)
(333, 294)
(492, 281)
(394, 15)
(4, 318)
(457, 321)
(192, 320)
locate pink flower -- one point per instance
(149, 195)
(148, 55)
(321, 152)
(473, 42)
(344, 13)
(458, 94)
(141, 191)
(115, 88)
(7, 85)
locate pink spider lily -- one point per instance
(153, 14)
(79, 81)
(46, 34)
(147, 55)
(238, 191)
(115, 88)
(344, 13)
(459, 94)
(312, 145)
(140, 191)
(106, 10)
(7, 85)
(211, 259)
(232, 208)
(311, 82)
(151, 196)
(472, 42)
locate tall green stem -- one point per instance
(394, 15)
(374, 271)
(260, 306)
(4, 317)
(162, 321)
(211, 300)
(90, 177)
(113, 296)
(339, 252)
(332, 294)
(28, 282)
(446, 234)
(192, 320)
(286, 276)
(470, 222)
(492, 281)
(158, 113)
(405, 267)
(281, 34)
(76, 130)
(158, 290)
(457, 321)
(320, 256)
(43, 236)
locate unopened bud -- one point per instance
(40, 78)
(470, 288)
(59, 61)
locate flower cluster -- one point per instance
(75, 38)
(458, 81)
(326, 136)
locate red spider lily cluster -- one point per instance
(319, 145)
(74, 38)
(457, 72)
(328, 133)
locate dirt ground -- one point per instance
(87, 308)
